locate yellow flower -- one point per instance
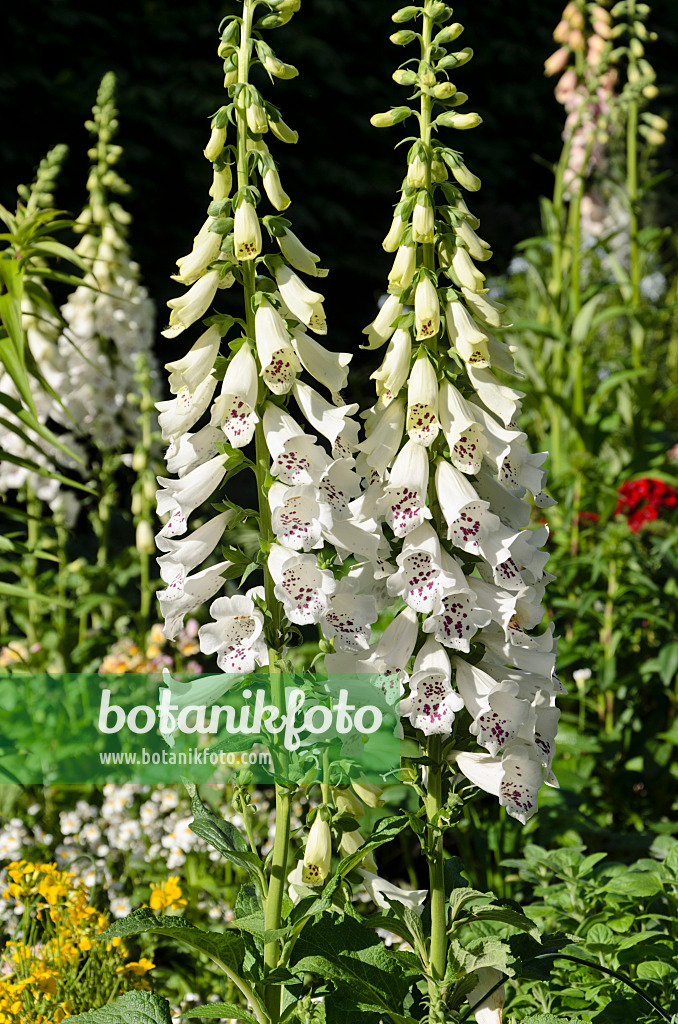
(167, 896)
(137, 967)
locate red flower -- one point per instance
(642, 500)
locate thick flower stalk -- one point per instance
(447, 471)
(259, 392)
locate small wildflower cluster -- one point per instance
(128, 656)
(167, 895)
(642, 501)
(56, 968)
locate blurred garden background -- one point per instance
(590, 281)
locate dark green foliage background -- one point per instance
(342, 175)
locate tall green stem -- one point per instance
(278, 870)
(438, 948)
(632, 190)
(33, 510)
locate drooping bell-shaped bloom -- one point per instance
(332, 421)
(384, 324)
(383, 893)
(302, 588)
(192, 450)
(305, 304)
(328, 368)
(233, 410)
(421, 580)
(422, 402)
(349, 618)
(384, 431)
(426, 309)
(298, 256)
(246, 232)
(404, 502)
(297, 518)
(206, 245)
(465, 336)
(463, 432)
(386, 659)
(403, 269)
(235, 635)
(393, 373)
(191, 490)
(432, 703)
(176, 601)
(179, 414)
(193, 304)
(318, 853)
(193, 368)
(279, 362)
(182, 556)
(514, 777)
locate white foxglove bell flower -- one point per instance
(426, 309)
(233, 410)
(296, 517)
(521, 470)
(477, 247)
(328, 368)
(298, 256)
(279, 362)
(514, 777)
(489, 1011)
(192, 450)
(404, 502)
(222, 182)
(302, 588)
(339, 484)
(182, 556)
(487, 309)
(393, 373)
(383, 893)
(384, 324)
(361, 539)
(470, 524)
(305, 304)
(297, 459)
(196, 365)
(467, 273)
(421, 580)
(422, 402)
(318, 853)
(403, 269)
(392, 240)
(191, 490)
(502, 400)
(246, 232)
(456, 618)
(386, 660)
(332, 421)
(179, 414)
(192, 305)
(497, 709)
(349, 618)
(384, 431)
(177, 601)
(463, 432)
(465, 336)
(205, 250)
(432, 703)
(236, 634)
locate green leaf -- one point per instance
(346, 952)
(61, 251)
(655, 970)
(581, 326)
(223, 948)
(222, 836)
(641, 884)
(132, 1008)
(13, 590)
(222, 1010)
(549, 1018)
(505, 915)
(386, 830)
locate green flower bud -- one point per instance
(650, 92)
(405, 14)
(655, 121)
(448, 34)
(137, 503)
(230, 72)
(636, 48)
(654, 137)
(423, 219)
(438, 170)
(390, 117)
(444, 90)
(451, 119)
(456, 60)
(144, 538)
(403, 37)
(215, 144)
(439, 11)
(404, 77)
(426, 74)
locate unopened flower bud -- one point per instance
(390, 117)
(460, 121)
(448, 34)
(417, 166)
(426, 309)
(139, 461)
(423, 220)
(650, 92)
(215, 144)
(347, 802)
(577, 42)
(554, 64)
(561, 32)
(368, 793)
(403, 37)
(318, 853)
(283, 131)
(443, 90)
(404, 77)
(636, 48)
(438, 170)
(137, 503)
(465, 178)
(405, 14)
(426, 75)
(144, 538)
(221, 183)
(257, 121)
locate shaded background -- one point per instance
(342, 176)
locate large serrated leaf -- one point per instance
(505, 915)
(132, 1008)
(220, 1010)
(224, 948)
(222, 836)
(349, 954)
